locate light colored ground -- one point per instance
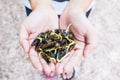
(103, 64)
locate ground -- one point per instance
(102, 64)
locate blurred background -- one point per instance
(102, 64)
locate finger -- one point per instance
(91, 41)
(52, 66)
(60, 66)
(33, 35)
(70, 74)
(67, 70)
(46, 67)
(24, 39)
(77, 55)
(35, 60)
(75, 59)
(31, 41)
(64, 76)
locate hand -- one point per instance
(42, 18)
(85, 38)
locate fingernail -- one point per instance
(52, 74)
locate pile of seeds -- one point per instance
(54, 44)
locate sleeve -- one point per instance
(92, 4)
(27, 4)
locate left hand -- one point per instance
(85, 38)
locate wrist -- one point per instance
(40, 3)
(80, 5)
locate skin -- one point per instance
(74, 14)
(84, 33)
(42, 18)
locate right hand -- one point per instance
(42, 18)
(84, 33)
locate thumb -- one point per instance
(91, 41)
(52, 66)
(23, 39)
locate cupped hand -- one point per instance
(42, 18)
(85, 38)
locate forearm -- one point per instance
(38, 3)
(83, 4)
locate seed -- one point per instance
(54, 44)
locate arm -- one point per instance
(82, 4)
(38, 3)
(84, 33)
(42, 18)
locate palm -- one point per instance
(84, 37)
(79, 28)
(40, 20)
